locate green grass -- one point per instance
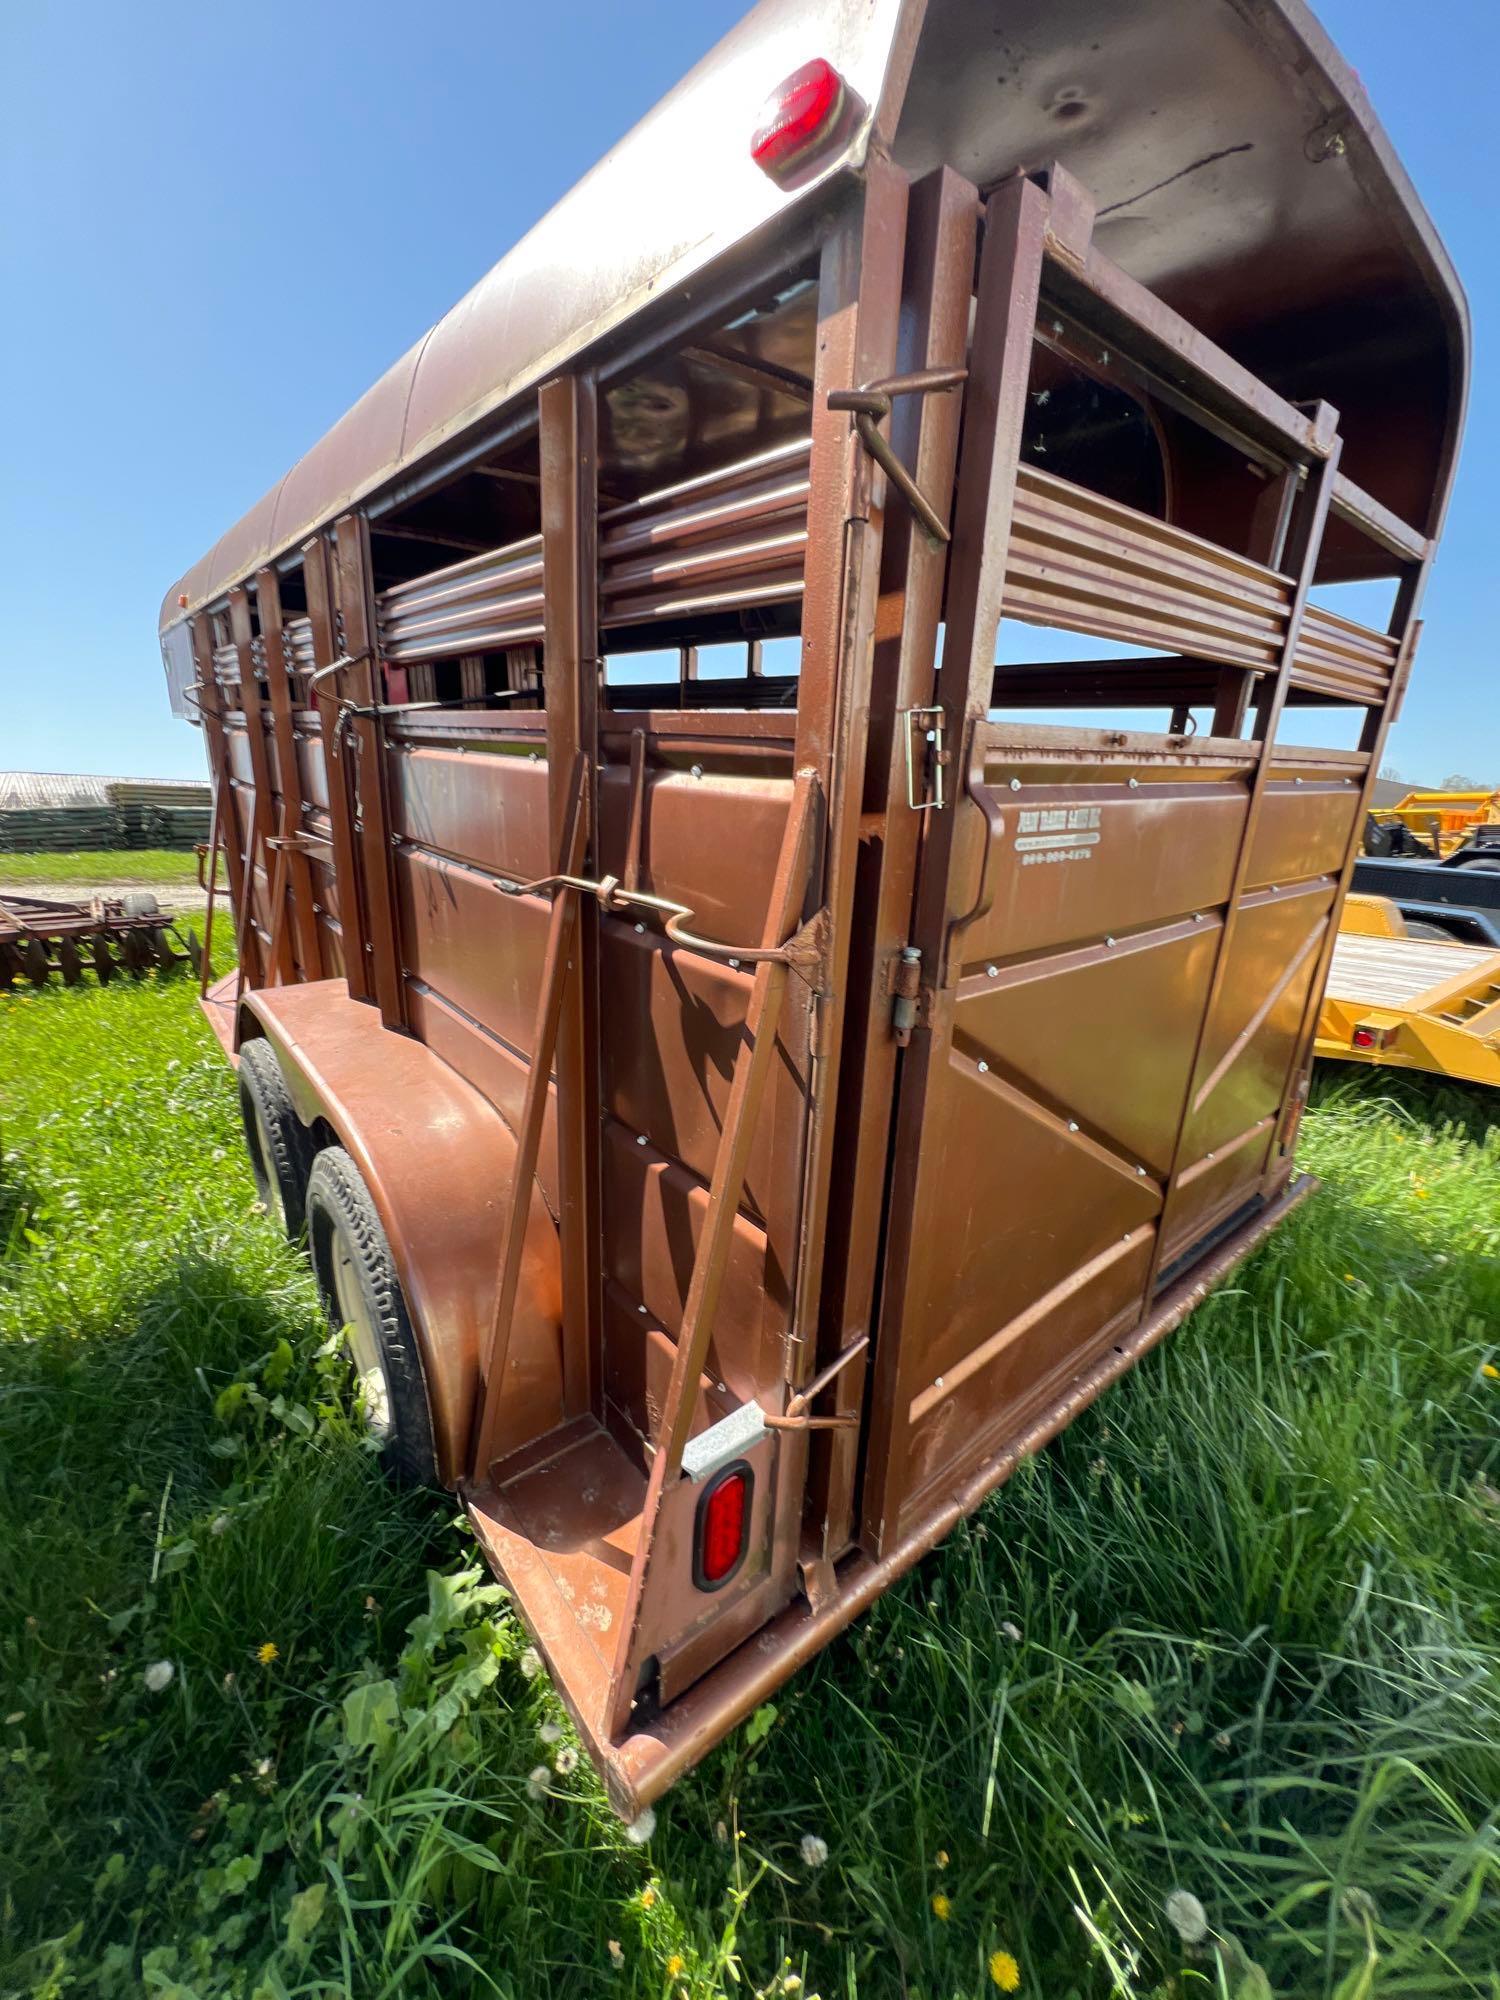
(1234, 1635)
(144, 865)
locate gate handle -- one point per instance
(610, 895)
(870, 405)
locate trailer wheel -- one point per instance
(1417, 927)
(361, 1292)
(280, 1146)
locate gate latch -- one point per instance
(870, 406)
(925, 752)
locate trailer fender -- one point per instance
(439, 1162)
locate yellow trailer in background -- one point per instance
(1447, 819)
(1406, 1001)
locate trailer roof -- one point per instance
(1264, 194)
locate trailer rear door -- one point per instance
(1120, 933)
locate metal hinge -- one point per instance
(906, 987)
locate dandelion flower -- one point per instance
(616, 1956)
(530, 1663)
(641, 1828)
(159, 1675)
(1490, 1372)
(566, 1761)
(539, 1781)
(648, 1897)
(676, 1966)
(1005, 1972)
(814, 1850)
(942, 1909)
(791, 1982)
(1187, 1916)
(268, 1652)
(550, 1732)
(941, 1857)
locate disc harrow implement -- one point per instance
(42, 940)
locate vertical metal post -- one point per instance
(937, 288)
(277, 955)
(298, 876)
(859, 299)
(211, 706)
(356, 602)
(1010, 271)
(570, 562)
(327, 648)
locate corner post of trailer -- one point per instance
(859, 302)
(1009, 291)
(937, 286)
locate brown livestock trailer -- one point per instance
(746, 1079)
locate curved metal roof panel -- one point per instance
(676, 192)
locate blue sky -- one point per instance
(219, 225)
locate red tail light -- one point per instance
(721, 1532)
(802, 116)
(1364, 1038)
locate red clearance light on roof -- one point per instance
(721, 1532)
(801, 118)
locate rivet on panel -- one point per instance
(640, 930)
(1072, 1124)
(1142, 1172)
(1109, 941)
(993, 971)
(1015, 784)
(984, 1069)
(697, 771)
(937, 1382)
(642, 1311)
(640, 1139)
(735, 963)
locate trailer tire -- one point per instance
(280, 1146)
(361, 1291)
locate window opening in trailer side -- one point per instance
(703, 466)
